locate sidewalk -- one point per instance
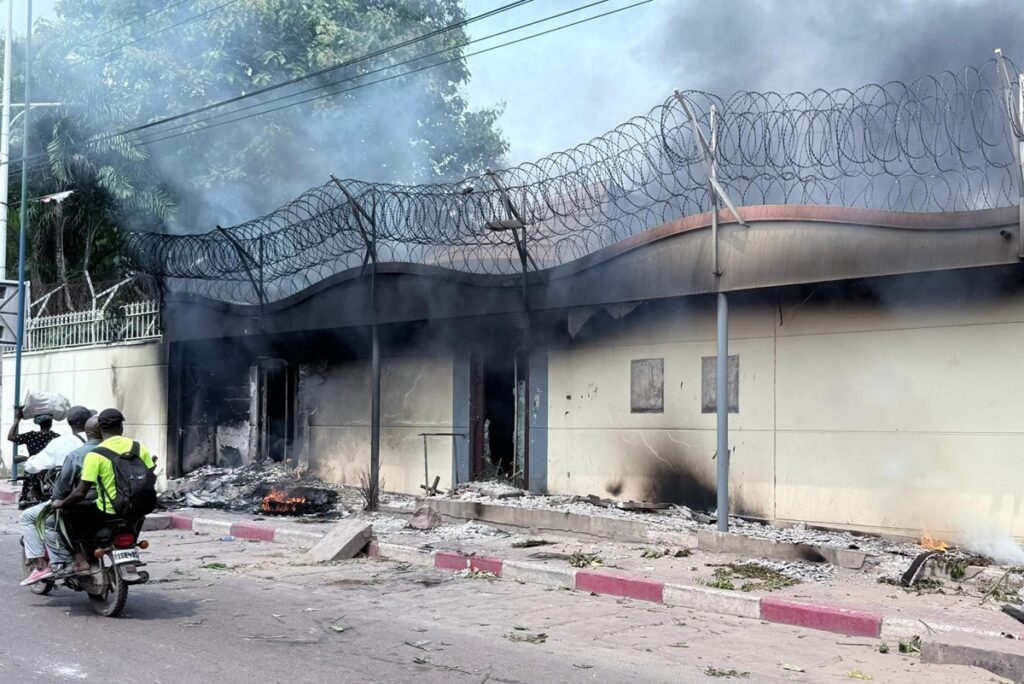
(829, 598)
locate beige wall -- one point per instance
(898, 415)
(416, 396)
(130, 377)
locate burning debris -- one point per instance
(299, 501)
(269, 489)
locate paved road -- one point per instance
(269, 618)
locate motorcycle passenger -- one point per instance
(35, 440)
(67, 480)
(61, 448)
(98, 472)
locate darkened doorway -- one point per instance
(498, 416)
(276, 383)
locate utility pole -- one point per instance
(5, 139)
(23, 223)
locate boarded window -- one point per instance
(647, 386)
(709, 385)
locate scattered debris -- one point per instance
(792, 668)
(654, 553)
(730, 674)
(883, 648)
(425, 518)
(529, 543)
(474, 573)
(911, 647)
(518, 635)
(1014, 612)
(585, 560)
(246, 488)
(215, 566)
(1004, 590)
(916, 568)
(337, 628)
(495, 489)
(762, 578)
(926, 585)
(857, 674)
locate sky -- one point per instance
(565, 88)
(562, 89)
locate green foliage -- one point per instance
(415, 128)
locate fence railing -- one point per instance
(135, 321)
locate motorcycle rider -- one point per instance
(98, 472)
(62, 447)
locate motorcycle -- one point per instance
(114, 562)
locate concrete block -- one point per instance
(1003, 657)
(727, 542)
(157, 521)
(343, 541)
(538, 573)
(620, 585)
(486, 564)
(405, 554)
(218, 528)
(450, 560)
(181, 522)
(298, 538)
(906, 628)
(825, 618)
(709, 600)
(253, 532)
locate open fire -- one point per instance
(279, 502)
(930, 543)
(300, 500)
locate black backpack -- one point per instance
(134, 483)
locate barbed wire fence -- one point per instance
(940, 143)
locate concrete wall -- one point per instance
(130, 377)
(416, 396)
(897, 412)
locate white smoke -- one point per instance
(996, 546)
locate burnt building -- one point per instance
(554, 324)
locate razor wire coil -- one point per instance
(940, 143)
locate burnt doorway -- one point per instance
(499, 426)
(276, 382)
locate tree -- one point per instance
(411, 129)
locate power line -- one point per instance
(381, 80)
(188, 20)
(376, 53)
(347, 63)
(395, 76)
(142, 18)
(388, 67)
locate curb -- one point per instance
(828, 618)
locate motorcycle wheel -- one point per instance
(39, 588)
(111, 602)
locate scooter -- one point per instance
(114, 562)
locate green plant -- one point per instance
(585, 560)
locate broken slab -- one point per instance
(425, 518)
(1003, 657)
(542, 520)
(343, 541)
(727, 542)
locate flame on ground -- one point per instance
(930, 543)
(278, 501)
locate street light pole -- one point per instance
(22, 225)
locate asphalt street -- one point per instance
(268, 617)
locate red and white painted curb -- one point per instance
(705, 599)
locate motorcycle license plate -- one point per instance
(126, 556)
